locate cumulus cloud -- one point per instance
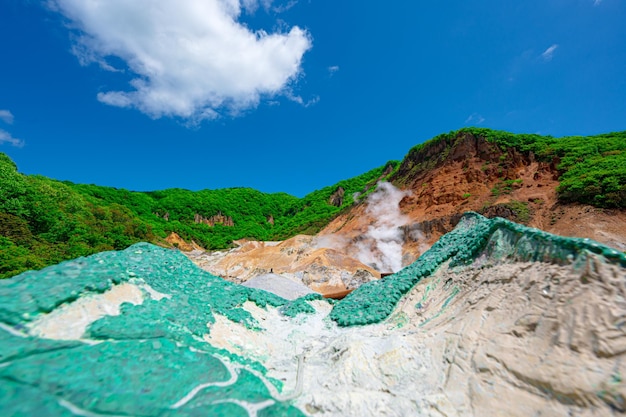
(333, 69)
(548, 53)
(6, 116)
(191, 59)
(5, 137)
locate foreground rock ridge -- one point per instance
(495, 319)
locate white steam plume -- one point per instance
(416, 235)
(337, 242)
(382, 247)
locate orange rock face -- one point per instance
(175, 240)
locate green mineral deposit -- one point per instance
(150, 356)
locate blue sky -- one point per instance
(292, 96)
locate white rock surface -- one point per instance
(523, 339)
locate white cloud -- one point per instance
(284, 7)
(333, 69)
(252, 5)
(548, 53)
(596, 2)
(475, 118)
(6, 116)
(5, 137)
(192, 58)
(298, 99)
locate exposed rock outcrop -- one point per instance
(336, 198)
(218, 218)
(165, 216)
(449, 177)
(175, 240)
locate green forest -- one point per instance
(45, 221)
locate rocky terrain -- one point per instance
(572, 186)
(299, 259)
(446, 179)
(494, 319)
(424, 199)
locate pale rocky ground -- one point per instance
(524, 339)
(333, 262)
(299, 259)
(494, 338)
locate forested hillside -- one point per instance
(44, 221)
(592, 169)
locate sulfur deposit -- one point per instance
(496, 319)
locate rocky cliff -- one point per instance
(218, 218)
(495, 319)
(436, 183)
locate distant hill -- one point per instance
(532, 179)
(44, 221)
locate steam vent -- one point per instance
(496, 319)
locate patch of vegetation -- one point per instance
(466, 195)
(504, 187)
(521, 210)
(43, 221)
(313, 212)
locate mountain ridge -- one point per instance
(46, 221)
